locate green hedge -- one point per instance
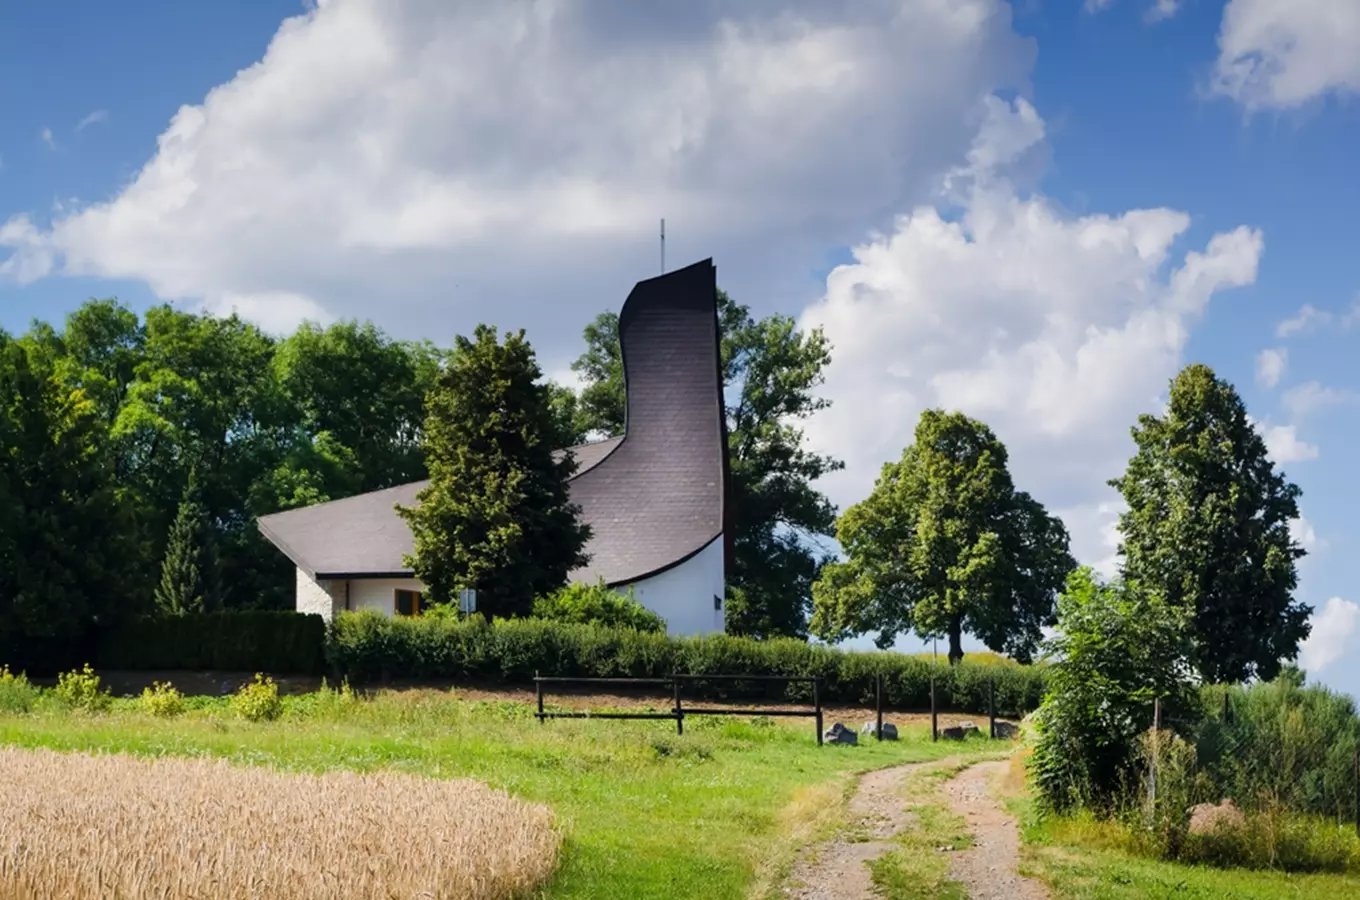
(365, 647)
(240, 641)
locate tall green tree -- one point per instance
(496, 515)
(771, 371)
(945, 544)
(183, 587)
(64, 565)
(1208, 527)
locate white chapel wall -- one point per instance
(683, 595)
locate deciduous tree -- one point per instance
(945, 544)
(1208, 527)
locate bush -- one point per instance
(17, 695)
(1118, 649)
(598, 604)
(365, 647)
(1280, 742)
(235, 641)
(258, 701)
(80, 690)
(162, 699)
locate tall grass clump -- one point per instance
(258, 701)
(17, 694)
(162, 699)
(80, 689)
(76, 825)
(366, 647)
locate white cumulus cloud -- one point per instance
(1057, 330)
(1283, 444)
(1312, 397)
(435, 163)
(1270, 366)
(1280, 54)
(1333, 634)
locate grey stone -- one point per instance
(889, 730)
(960, 732)
(839, 734)
(1007, 731)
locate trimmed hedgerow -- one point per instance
(238, 641)
(365, 647)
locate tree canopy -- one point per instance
(945, 544)
(771, 371)
(496, 515)
(1208, 527)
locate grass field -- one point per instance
(1084, 861)
(644, 813)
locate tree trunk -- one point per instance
(955, 641)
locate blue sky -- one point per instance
(380, 163)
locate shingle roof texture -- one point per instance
(653, 497)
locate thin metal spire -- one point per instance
(663, 246)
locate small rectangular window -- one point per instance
(717, 602)
(408, 602)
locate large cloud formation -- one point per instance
(438, 162)
(1057, 330)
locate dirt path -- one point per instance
(837, 869)
(988, 870)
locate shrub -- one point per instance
(80, 690)
(1281, 742)
(17, 695)
(365, 647)
(598, 604)
(162, 699)
(235, 641)
(1118, 648)
(258, 701)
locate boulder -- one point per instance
(1007, 731)
(889, 730)
(839, 734)
(960, 731)
(1209, 817)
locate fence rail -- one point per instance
(679, 711)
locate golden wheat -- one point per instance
(122, 828)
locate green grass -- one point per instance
(645, 813)
(1083, 859)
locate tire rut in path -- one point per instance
(988, 870)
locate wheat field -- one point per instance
(109, 827)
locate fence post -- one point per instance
(679, 712)
(1156, 749)
(817, 701)
(538, 688)
(1227, 708)
(991, 708)
(878, 703)
(934, 718)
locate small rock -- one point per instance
(839, 734)
(889, 730)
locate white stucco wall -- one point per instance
(379, 594)
(683, 595)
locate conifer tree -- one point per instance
(181, 590)
(495, 516)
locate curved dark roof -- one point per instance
(653, 497)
